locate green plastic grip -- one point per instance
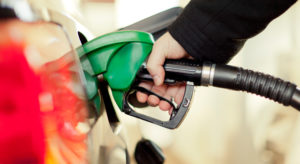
(117, 56)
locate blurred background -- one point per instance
(222, 126)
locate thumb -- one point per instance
(155, 65)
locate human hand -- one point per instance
(166, 47)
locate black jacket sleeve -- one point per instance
(215, 30)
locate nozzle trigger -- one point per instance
(177, 115)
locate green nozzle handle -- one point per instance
(117, 56)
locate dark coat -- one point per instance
(215, 30)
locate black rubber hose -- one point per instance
(295, 102)
(258, 83)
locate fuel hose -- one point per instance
(237, 78)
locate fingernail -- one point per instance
(170, 111)
(156, 79)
